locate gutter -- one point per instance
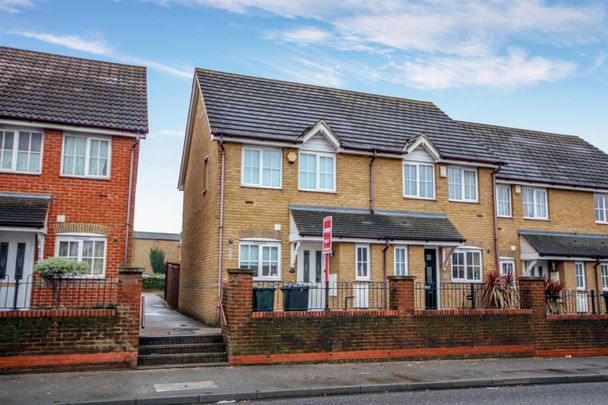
(221, 229)
(129, 200)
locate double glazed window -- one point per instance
(362, 262)
(86, 156)
(400, 261)
(91, 250)
(317, 172)
(580, 276)
(535, 203)
(20, 151)
(261, 257)
(507, 267)
(462, 184)
(466, 265)
(503, 200)
(601, 208)
(261, 167)
(418, 180)
(604, 276)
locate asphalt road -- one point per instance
(579, 394)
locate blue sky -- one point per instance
(532, 64)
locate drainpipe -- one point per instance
(384, 273)
(129, 201)
(221, 229)
(371, 183)
(495, 212)
(597, 285)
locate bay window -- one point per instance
(88, 249)
(462, 184)
(466, 265)
(317, 172)
(261, 257)
(20, 151)
(418, 180)
(535, 203)
(503, 200)
(261, 167)
(85, 156)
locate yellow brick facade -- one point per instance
(141, 252)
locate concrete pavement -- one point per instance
(194, 385)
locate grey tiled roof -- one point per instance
(271, 109)
(60, 89)
(23, 211)
(567, 244)
(156, 235)
(544, 157)
(359, 223)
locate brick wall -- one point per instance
(65, 339)
(403, 333)
(141, 252)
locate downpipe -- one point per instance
(220, 306)
(129, 201)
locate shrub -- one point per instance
(553, 296)
(154, 282)
(60, 267)
(499, 291)
(157, 260)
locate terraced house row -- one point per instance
(411, 192)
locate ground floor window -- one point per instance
(362, 262)
(507, 266)
(261, 257)
(400, 261)
(88, 249)
(605, 276)
(580, 276)
(466, 265)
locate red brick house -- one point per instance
(69, 144)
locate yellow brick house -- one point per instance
(411, 191)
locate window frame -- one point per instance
(417, 166)
(603, 209)
(534, 202)
(87, 156)
(604, 276)
(261, 167)
(405, 263)
(462, 170)
(318, 156)
(80, 238)
(576, 276)
(498, 201)
(367, 277)
(260, 245)
(507, 261)
(464, 251)
(16, 135)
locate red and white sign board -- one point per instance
(327, 227)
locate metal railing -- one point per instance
(578, 302)
(35, 292)
(341, 296)
(459, 296)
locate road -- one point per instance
(579, 394)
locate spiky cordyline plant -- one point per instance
(553, 296)
(499, 291)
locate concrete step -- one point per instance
(180, 339)
(183, 365)
(182, 348)
(182, 358)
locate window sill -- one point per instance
(466, 281)
(537, 219)
(318, 191)
(504, 216)
(601, 223)
(275, 279)
(363, 280)
(464, 201)
(409, 197)
(71, 176)
(16, 172)
(262, 187)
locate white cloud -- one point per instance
(302, 70)
(302, 35)
(170, 133)
(15, 6)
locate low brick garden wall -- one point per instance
(402, 332)
(74, 339)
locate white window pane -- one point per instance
(22, 161)
(69, 145)
(103, 148)
(87, 248)
(470, 185)
(7, 159)
(79, 166)
(97, 266)
(34, 162)
(81, 146)
(99, 248)
(410, 180)
(93, 166)
(251, 167)
(63, 249)
(36, 142)
(454, 183)
(24, 141)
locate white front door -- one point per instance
(310, 272)
(16, 269)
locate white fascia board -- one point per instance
(554, 186)
(70, 128)
(23, 230)
(324, 129)
(375, 241)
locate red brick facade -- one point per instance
(403, 333)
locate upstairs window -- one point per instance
(466, 265)
(261, 257)
(601, 208)
(535, 203)
(418, 180)
(261, 168)
(86, 156)
(462, 184)
(317, 172)
(88, 249)
(503, 200)
(20, 151)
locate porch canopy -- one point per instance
(352, 224)
(562, 245)
(23, 211)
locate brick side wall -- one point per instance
(281, 338)
(65, 339)
(141, 252)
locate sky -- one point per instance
(522, 63)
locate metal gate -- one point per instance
(172, 284)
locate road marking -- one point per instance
(185, 386)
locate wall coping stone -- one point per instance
(127, 270)
(401, 277)
(240, 271)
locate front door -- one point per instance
(311, 274)
(430, 278)
(16, 267)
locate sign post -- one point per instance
(327, 233)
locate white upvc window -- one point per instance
(362, 260)
(401, 261)
(418, 180)
(21, 151)
(580, 275)
(503, 201)
(262, 167)
(462, 184)
(535, 203)
(604, 267)
(507, 267)
(264, 258)
(467, 265)
(601, 208)
(86, 156)
(84, 248)
(317, 171)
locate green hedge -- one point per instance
(153, 282)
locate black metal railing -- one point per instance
(578, 302)
(35, 292)
(461, 296)
(343, 295)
